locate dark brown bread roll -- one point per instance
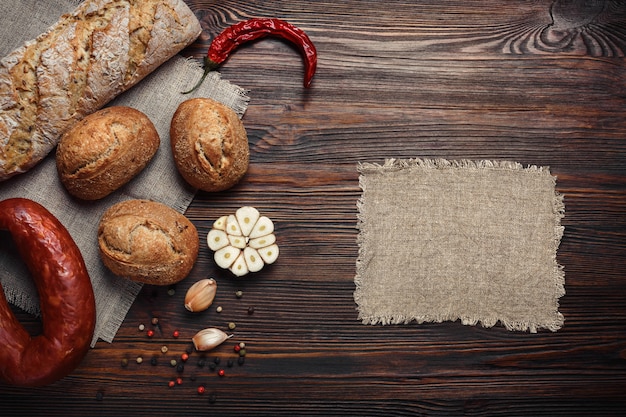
(105, 150)
(210, 144)
(148, 242)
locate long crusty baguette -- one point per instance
(80, 64)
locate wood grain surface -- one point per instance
(538, 82)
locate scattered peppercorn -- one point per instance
(176, 333)
(232, 325)
(201, 389)
(216, 360)
(221, 372)
(180, 368)
(242, 345)
(150, 333)
(154, 361)
(99, 396)
(139, 359)
(171, 291)
(171, 384)
(164, 349)
(239, 294)
(201, 362)
(141, 327)
(212, 399)
(241, 360)
(184, 357)
(219, 309)
(173, 362)
(242, 352)
(179, 381)
(124, 362)
(189, 349)
(250, 310)
(237, 348)
(155, 320)
(230, 363)
(212, 366)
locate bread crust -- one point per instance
(78, 65)
(147, 242)
(209, 144)
(105, 150)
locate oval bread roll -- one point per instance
(78, 65)
(105, 150)
(147, 242)
(209, 144)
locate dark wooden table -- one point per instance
(538, 82)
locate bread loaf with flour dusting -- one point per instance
(78, 65)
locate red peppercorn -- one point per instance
(201, 389)
(150, 333)
(237, 348)
(179, 381)
(184, 357)
(171, 384)
(176, 333)
(221, 372)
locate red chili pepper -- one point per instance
(249, 30)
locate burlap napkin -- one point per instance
(474, 241)
(158, 96)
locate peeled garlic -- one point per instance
(243, 242)
(208, 339)
(200, 295)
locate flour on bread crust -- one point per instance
(78, 65)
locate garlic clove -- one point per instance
(232, 226)
(239, 268)
(220, 224)
(217, 239)
(269, 253)
(264, 226)
(200, 295)
(253, 259)
(208, 339)
(226, 256)
(247, 218)
(237, 241)
(263, 241)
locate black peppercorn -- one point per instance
(180, 367)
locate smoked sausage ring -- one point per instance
(67, 303)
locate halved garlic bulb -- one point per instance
(243, 242)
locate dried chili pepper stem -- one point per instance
(256, 28)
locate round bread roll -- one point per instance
(210, 144)
(148, 242)
(105, 150)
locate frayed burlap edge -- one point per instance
(557, 276)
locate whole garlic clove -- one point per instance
(217, 239)
(208, 339)
(247, 218)
(200, 295)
